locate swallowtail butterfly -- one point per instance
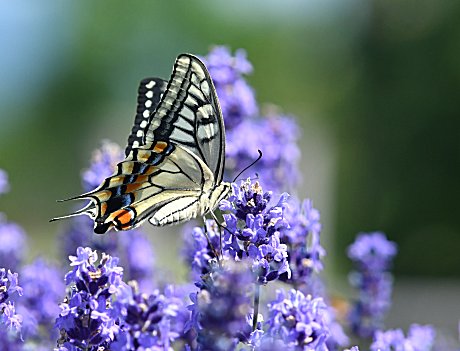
(174, 158)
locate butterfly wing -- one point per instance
(149, 95)
(176, 173)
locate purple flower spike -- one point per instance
(86, 319)
(298, 320)
(236, 97)
(372, 255)
(253, 230)
(9, 288)
(372, 251)
(147, 321)
(196, 250)
(220, 308)
(303, 240)
(420, 338)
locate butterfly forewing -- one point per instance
(149, 94)
(189, 114)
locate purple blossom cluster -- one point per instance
(419, 338)
(112, 299)
(220, 309)
(299, 321)
(372, 255)
(8, 288)
(252, 230)
(303, 241)
(103, 312)
(252, 235)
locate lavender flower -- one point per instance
(9, 287)
(298, 320)
(236, 97)
(372, 255)
(303, 240)
(420, 338)
(305, 259)
(147, 321)
(253, 230)
(220, 308)
(14, 244)
(4, 185)
(86, 319)
(196, 250)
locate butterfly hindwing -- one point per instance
(157, 181)
(149, 95)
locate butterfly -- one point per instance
(175, 155)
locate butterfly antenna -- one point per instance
(252, 164)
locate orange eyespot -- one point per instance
(123, 217)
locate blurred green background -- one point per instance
(374, 85)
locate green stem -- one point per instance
(256, 306)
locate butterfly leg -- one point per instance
(220, 233)
(209, 241)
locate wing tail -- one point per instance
(88, 210)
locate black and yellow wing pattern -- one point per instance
(175, 156)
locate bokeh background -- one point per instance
(374, 85)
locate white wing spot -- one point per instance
(143, 124)
(149, 94)
(205, 111)
(205, 88)
(148, 103)
(139, 133)
(135, 143)
(146, 113)
(150, 84)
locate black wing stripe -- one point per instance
(149, 95)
